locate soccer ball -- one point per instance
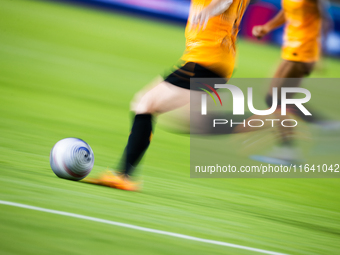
(72, 159)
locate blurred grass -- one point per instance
(71, 72)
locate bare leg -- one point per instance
(155, 100)
(162, 98)
(288, 74)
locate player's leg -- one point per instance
(160, 99)
(170, 94)
(288, 74)
(293, 69)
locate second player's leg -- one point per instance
(293, 69)
(289, 74)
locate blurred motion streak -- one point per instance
(257, 13)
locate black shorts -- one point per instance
(181, 76)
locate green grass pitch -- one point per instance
(67, 71)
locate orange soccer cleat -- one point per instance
(110, 179)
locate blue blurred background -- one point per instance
(257, 13)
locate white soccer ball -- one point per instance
(72, 159)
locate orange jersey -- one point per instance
(301, 40)
(214, 47)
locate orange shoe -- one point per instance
(108, 178)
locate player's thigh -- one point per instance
(290, 74)
(162, 98)
(293, 69)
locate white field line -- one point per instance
(150, 230)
